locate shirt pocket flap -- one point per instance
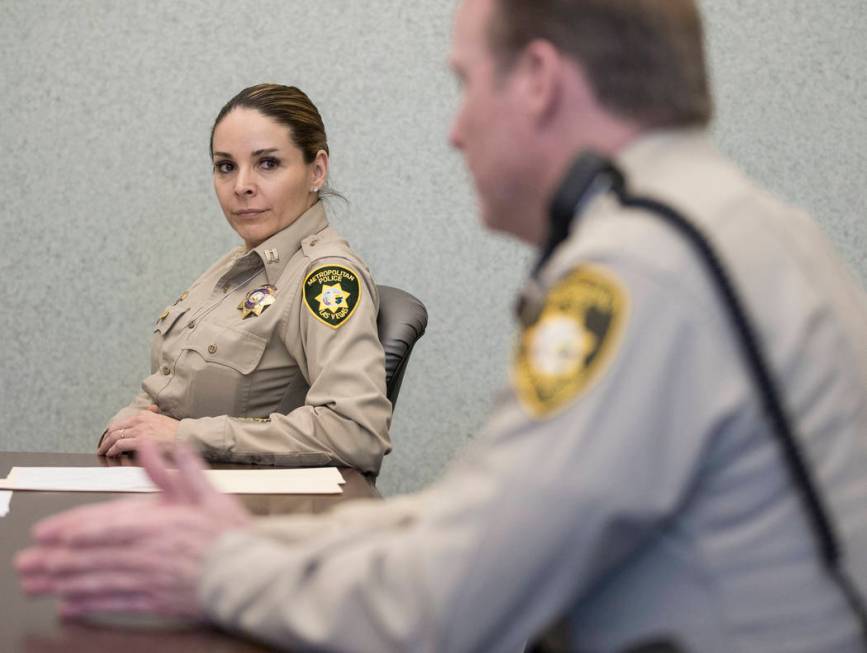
(167, 320)
(235, 348)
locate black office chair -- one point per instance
(401, 321)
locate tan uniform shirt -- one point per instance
(627, 478)
(297, 375)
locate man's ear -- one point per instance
(551, 80)
(541, 69)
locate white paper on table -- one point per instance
(306, 480)
(5, 498)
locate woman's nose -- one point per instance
(244, 184)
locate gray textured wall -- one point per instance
(106, 210)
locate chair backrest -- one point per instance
(401, 321)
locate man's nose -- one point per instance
(456, 139)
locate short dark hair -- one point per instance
(288, 106)
(644, 58)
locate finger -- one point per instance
(41, 571)
(111, 436)
(64, 561)
(124, 445)
(191, 469)
(153, 408)
(144, 526)
(122, 430)
(36, 584)
(61, 527)
(170, 482)
(129, 424)
(77, 607)
(52, 528)
(29, 562)
(35, 578)
(124, 423)
(99, 584)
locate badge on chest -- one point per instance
(257, 300)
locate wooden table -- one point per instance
(32, 626)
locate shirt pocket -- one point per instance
(218, 363)
(168, 319)
(223, 345)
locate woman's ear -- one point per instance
(319, 170)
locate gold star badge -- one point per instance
(257, 300)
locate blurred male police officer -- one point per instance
(628, 485)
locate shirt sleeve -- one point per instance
(524, 524)
(345, 416)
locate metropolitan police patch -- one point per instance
(331, 294)
(568, 346)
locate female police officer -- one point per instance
(272, 355)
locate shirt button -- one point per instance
(165, 370)
(191, 325)
(212, 349)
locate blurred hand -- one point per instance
(127, 434)
(137, 554)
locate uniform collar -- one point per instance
(640, 158)
(276, 252)
(640, 161)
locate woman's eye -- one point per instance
(224, 167)
(269, 163)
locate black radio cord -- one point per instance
(829, 546)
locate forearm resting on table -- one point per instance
(307, 437)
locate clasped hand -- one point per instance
(127, 434)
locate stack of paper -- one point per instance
(307, 480)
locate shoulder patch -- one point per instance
(571, 343)
(331, 294)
